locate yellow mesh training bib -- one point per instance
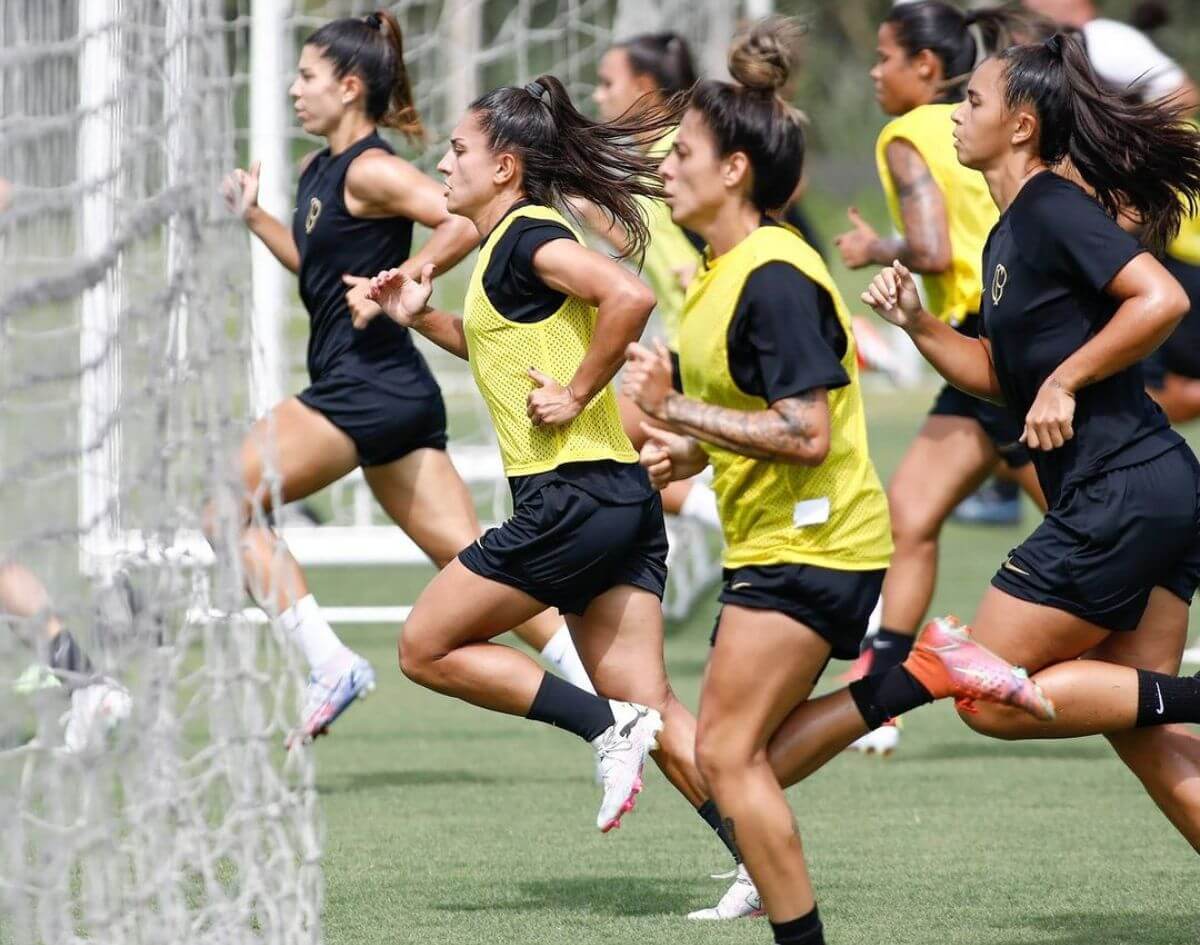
(970, 211)
(669, 251)
(502, 351)
(1186, 246)
(834, 515)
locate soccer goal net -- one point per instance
(140, 334)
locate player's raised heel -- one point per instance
(621, 752)
(976, 673)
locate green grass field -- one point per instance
(448, 824)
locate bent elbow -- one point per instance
(1177, 304)
(638, 299)
(932, 262)
(812, 451)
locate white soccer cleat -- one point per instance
(882, 741)
(331, 692)
(621, 752)
(741, 901)
(96, 712)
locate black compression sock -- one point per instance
(887, 695)
(68, 660)
(712, 817)
(562, 705)
(1164, 699)
(806, 930)
(1006, 488)
(889, 648)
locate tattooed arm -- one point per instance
(792, 430)
(925, 246)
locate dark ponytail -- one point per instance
(665, 57)
(1139, 157)
(959, 40)
(564, 154)
(372, 48)
(749, 115)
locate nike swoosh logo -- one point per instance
(740, 585)
(1012, 567)
(1161, 706)
(628, 727)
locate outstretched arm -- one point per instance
(240, 190)
(964, 362)
(925, 246)
(406, 302)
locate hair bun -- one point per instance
(764, 56)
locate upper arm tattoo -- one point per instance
(788, 428)
(922, 207)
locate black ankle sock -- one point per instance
(562, 705)
(712, 817)
(68, 660)
(889, 648)
(1164, 699)
(887, 695)
(806, 930)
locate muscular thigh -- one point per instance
(763, 664)
(299, 446)
(423, 493)
(946, 462)
(1157, 643)
(1032, 635)
(620, 641)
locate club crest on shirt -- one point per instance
(999, 281)
(314, 211)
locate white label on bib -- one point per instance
(811, 512)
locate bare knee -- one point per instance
(914, 521)
(720, 758)
(419, 655)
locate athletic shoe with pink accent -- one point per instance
(621, 752)
(977, 673)
(741, 901)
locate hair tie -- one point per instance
(1055, 44)
(536, 89)
(373, 20)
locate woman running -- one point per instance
(943, 212)
(646, 71)
(372, 401)
(771, 398)
(1094, 603)
(545, 328)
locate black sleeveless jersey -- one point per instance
(332, 242)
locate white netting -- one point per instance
(137, 342)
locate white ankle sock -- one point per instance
(304, 624)
(560, 653)
(701, 504)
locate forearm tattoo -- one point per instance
(788, 428)
(926, 243)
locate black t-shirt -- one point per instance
(785, 337)
(1045, 267)
(516, 292)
